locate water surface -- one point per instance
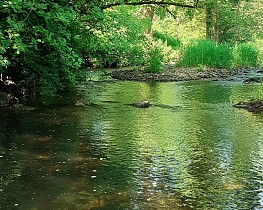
(190, 150)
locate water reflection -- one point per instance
(190, 151)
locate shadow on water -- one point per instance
(189, 150)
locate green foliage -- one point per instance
(175, 43)
(240, 21)
(206, 53)
(155, 61)
(117, 40)
(245, 55)
(37, 47)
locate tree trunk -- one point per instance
(149, 13)
(209, 22)
(216, 33)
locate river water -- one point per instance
(190, 150)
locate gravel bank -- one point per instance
(171, 73)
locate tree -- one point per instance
(232, 20)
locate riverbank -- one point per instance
(170, 73)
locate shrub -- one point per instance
(155, 61)
(245, 55)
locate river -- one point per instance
(190, 150)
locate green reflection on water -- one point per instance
(190, 150)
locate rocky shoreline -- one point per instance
(172, 74)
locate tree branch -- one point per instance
(167, 10)
(161, 3)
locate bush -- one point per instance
(245, 55)
(206, 53)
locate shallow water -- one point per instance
(190, 150)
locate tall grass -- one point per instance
(245, 55)
(174, 42)
(206, 53)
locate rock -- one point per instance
(255, 106)
(142, 104)
(4, 99)
(251, 80)
(12, 99)
(80, 103)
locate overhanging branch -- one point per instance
(160, 3)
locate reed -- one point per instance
(155, 61)
(245, 55)
(206, 53)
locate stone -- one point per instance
(252, 80)
(4, 99)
